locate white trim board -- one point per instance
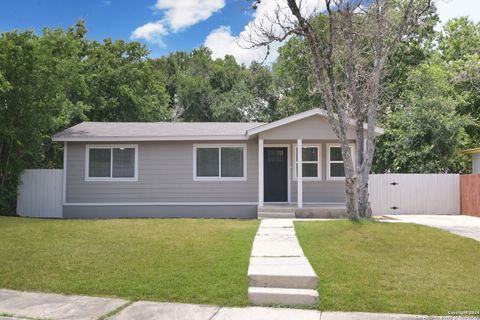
(162, 204)
(151, 138)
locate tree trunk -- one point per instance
(364, 210)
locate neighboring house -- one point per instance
(188, 169)
(475, 152)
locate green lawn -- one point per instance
(387, 267)
(175, 260)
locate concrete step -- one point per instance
(276, 214)
(283, 296)
(284, 272)
(276, 209)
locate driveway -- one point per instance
(466, 226)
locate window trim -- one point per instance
(330, 145)
(219, 146)
(318, 162)
(111, 147)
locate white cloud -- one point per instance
(180, 14)
(177, 15)
(221, 40)
(151, 32)
(448, 9)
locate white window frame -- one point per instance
(111, 147)
(318, 162)
(219, 146)
(330, 145)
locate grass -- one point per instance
(386, 267)
(175, 260)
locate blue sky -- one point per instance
(166, 25)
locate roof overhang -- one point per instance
(472, 151)
(149, 138)
(300, 116)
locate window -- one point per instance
(311, 163)
(219, 162)
(111, 163)
(335, 168)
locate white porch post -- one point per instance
(299, 173)
(260, 172)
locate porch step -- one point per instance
(276, 214)
(283, 296)
(275, 208)
(283, 272)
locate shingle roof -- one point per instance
(132, 131)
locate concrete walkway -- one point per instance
(465, 226)
(279, 273)
(16, 305)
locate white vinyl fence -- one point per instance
(415, 193)
(40, 193)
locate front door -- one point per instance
(275, 178)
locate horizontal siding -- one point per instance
(321, 191)
(165, 174)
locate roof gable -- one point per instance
(297, 117)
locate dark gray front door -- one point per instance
(275, 178)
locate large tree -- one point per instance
(349, 43)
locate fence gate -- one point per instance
(415, 193)
(40, 193)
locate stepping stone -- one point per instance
(283, 296)
(295, 272)
(146, 310)
(276, 246)
(276, 223)
(261, 313)
(55, 306)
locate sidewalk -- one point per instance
(16, 305)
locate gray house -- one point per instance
(221, 170)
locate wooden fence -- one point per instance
(415, 193)
(40, 193)
(470, 194)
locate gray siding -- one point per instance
(308, 128)
(165, 174)
(89, 212)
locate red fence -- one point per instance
(470, 194)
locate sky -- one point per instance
(170, 25)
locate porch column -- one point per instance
(299, 174)
(260, 172)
